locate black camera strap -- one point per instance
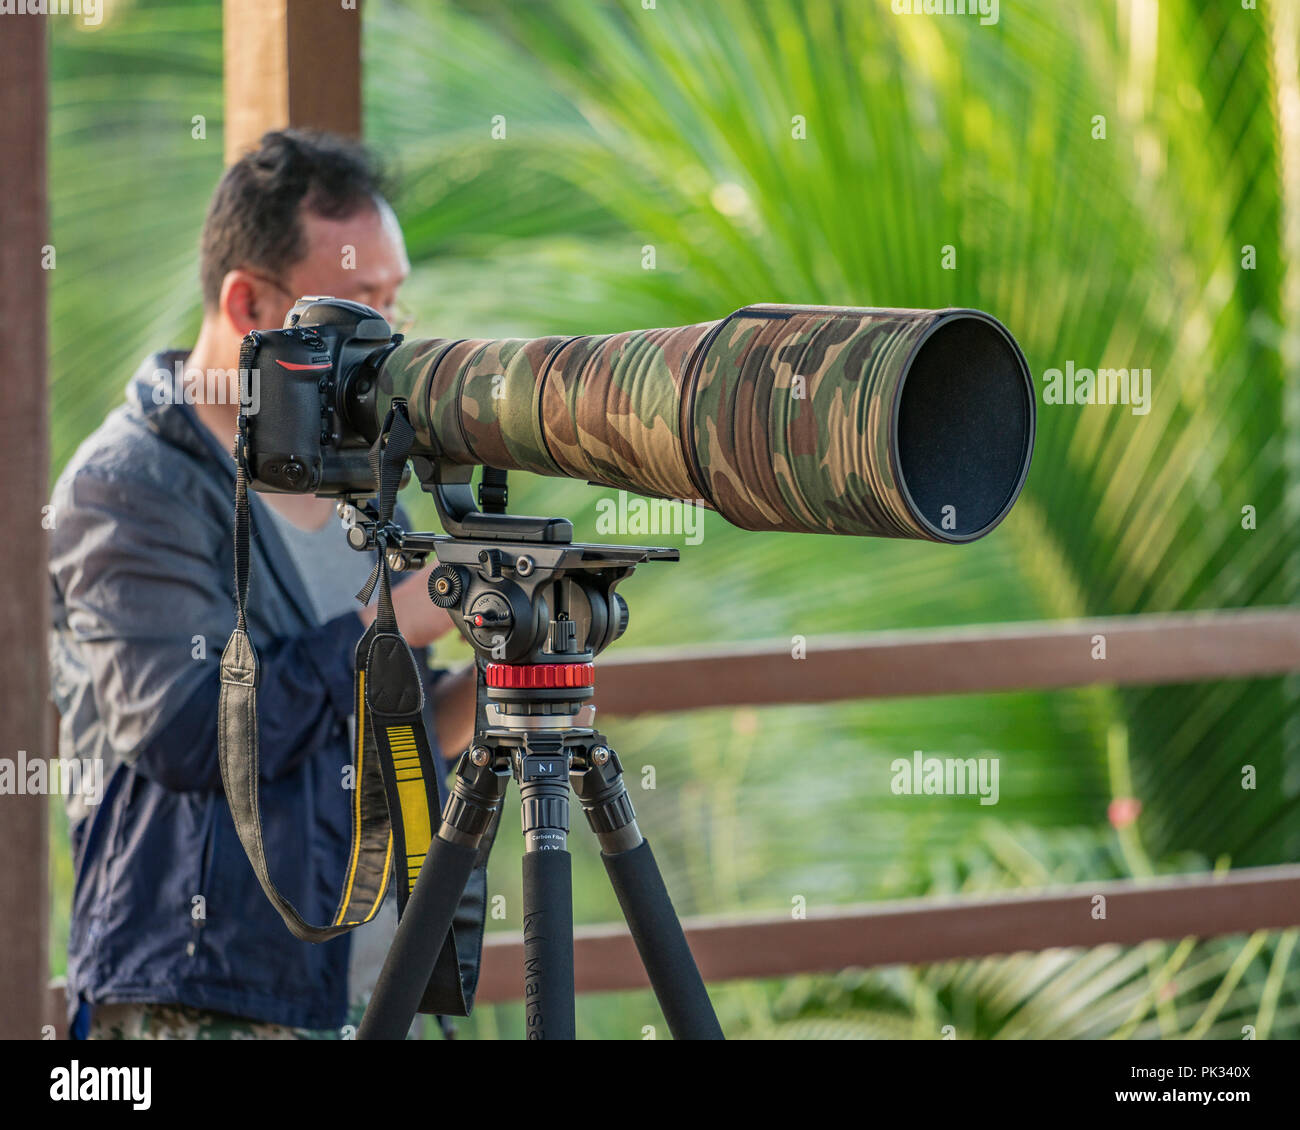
(395, 802)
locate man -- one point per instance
(171, 934)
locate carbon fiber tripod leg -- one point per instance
(475, 797)
(418, 941)
(641, 893)
(542, 765)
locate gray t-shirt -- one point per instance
(333, 572)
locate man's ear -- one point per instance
(243, 305)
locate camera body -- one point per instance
(318, 379)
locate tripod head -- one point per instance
(518, 588)
(519, 602)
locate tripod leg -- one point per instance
(644, 899)
(548, 889)
(662, 945)
(475, 796)
(548, 946)
(418, 941)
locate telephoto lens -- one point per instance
(811, 419)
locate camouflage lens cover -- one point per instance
(892, 423)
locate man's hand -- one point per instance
(453, 710)
(420, 619)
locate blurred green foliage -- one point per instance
(832, 152)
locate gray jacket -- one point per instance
(166, 906)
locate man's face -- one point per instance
(362, 258)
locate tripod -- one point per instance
(537, 608)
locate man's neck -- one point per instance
(220, 419)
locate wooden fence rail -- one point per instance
(1181, 647)
(923, 931)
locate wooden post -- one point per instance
(290, 63)
(24, 449)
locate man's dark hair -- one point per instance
(255, 218)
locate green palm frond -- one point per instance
(676, 124)
(129, 183)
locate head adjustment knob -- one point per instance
(445, 586)
(620, 614)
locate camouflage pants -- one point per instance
(180, 1022)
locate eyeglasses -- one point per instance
(402, 320)
(399, 317)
